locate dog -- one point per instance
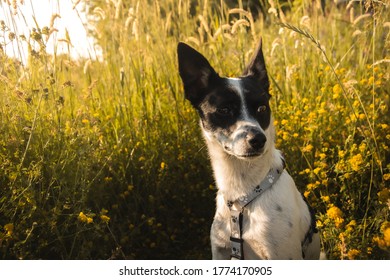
(260, 214)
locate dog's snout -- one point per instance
(249, 141)
(256, 139)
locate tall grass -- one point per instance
(108, 152)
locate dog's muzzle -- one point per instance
(249, 141)
(256, 139)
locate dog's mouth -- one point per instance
(250, 155)
(246, 156)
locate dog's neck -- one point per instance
(237, 177)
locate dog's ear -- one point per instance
(256, 68)
(195, 72)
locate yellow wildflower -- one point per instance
(9, 228)
(386, 237)
(151, 221)
(381, 243)
(335, 214)
(353, 253)
(310, 186)
(308, 148)
(338, 222)
(337, 90)
(356, 162)
(306, 171)
(317, 170)
(321, 111)
(351, 225)
(105, 218)
(108, 179)
(362, 147)
(312, 116)
(84, 218)
(322, 156)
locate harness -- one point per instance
(312, 229)
(237, 209)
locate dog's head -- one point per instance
(235, 112)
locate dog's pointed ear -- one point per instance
(256, 68)
(195, 72)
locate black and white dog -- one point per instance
(260, 213)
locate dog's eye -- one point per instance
(262, 109)
(224, 111)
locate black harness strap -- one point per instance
(237, 209)
(312, 229)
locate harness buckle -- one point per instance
(236, 245)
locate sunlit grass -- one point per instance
(108, 151)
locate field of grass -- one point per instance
(104, 159)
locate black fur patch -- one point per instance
(256, 94)
(224, 97)
(211, 109)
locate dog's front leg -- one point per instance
(220, 253)
(220, 245)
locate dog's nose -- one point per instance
(256, 139)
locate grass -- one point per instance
(108, 151)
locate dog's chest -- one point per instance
(256, 228)
(267, 226)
